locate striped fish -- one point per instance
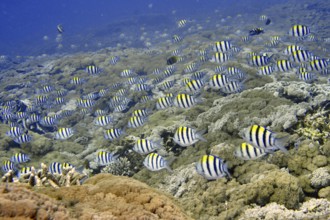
(136, 121)
(155, 162)
(184, 101)
(64, 133)
(19, 158)
(104, 158)
(262, 138)
(113, 133)
(212, 167)
(145, 146)
(247, 152)
(186, 136)
(299, 30)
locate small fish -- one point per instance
(263, 17)
(156, 71)
(24, 171)
(145, 146)
(15, 132)
(122, 92)
(86, 103)
(93, 70)
(64, 133)
(19, 158)
(100, 112)
(164, 102)
(219, 81)
(185, 101)
(245, 38)
(219, 69)
(260, 60)
(103, 92)
(192, 67)
(48, 121)
(55, 168)
(233, 71)
(92, 95)
(177, 52)
(77, 81)
(198, 75)
(272, 43)
(172, 60)
(262, 138)
(141, 87)
(114, 60)
(47, 89)
(283, 65)
(155, 162)
(247, 152)
(222, 46)
(169, 71)
(127, 73)
(176, 39)
(256, 31)
(136, 121)
(34, 118)
(104, 158)
(182, 23)
(219, 57)
(318, 64)
(60, 29)
(24, 138)
(7, 165)
(212, 167)
(268, 21)
(61, 92)
(184, 81)
(59, 100)
(194, 86)
(301, 56)
(167, 85)
(103, 120)
(265, 70)
(232, 87)
(113, 133)
(291, 48)
(186, 136)
(145, 98)
(120, 108)
(299, 30)
(307, 77)
(41, 99)
(141, 112)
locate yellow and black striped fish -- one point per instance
(212, 167)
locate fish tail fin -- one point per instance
(225, 168)
(280, 144)
(199, 135)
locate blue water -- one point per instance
(25, 23)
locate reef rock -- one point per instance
(18, 202)
(105, 196)
(312, 209)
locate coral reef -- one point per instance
(320, 177)
(106, 196)
(43, 177)
(312, 209)
(120, 167)
(18, 202)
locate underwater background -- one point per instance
(187, 109)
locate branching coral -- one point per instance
(43, 177)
